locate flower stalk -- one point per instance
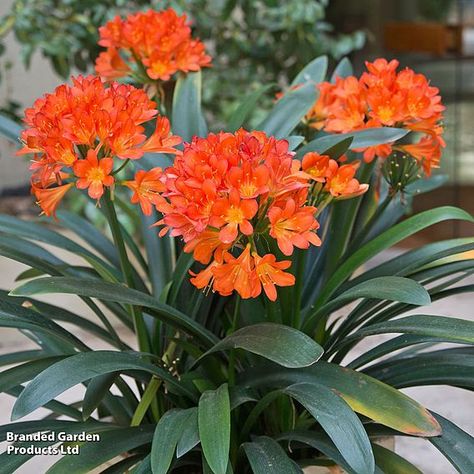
(127, 272)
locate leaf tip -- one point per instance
(434, 428)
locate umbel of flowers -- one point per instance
(149, 45)
(384, 97)
(229, 195)
(81, 131)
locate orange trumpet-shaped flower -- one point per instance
(318, 167)
(270, 274)
(427, 151)
(234, 214)
(386, 106)
(293, 227)
(162, 141)
(246, 274)
(205, 278)
(343, 184)
(146, 188)
(237, 274)
(207, 245)
(94, 174)
(110, 65)
(381, 73)
(49, 198)
(249, 181)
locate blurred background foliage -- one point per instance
(253, 42)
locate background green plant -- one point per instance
(214, 393)
(252, 42)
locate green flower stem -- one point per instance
(361, 235)
(235, 320)
(121, 167)
(298, 288)
(148, 399)
(138, 321)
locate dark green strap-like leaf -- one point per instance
(389, 288)
(443, 367)
(392, 463)
(190, 434)
(414, 260)
(315, 72)
(159, 254)
(29, 230)
(455, 444)
(320, 441)
(266, 456)
(57, 408)
(96, 390)
(90, 234)
(445, 328)
(9, 464)
(25, 372)
(112, 443)
(144, 467)
(337, 150)
(22, 356)
(289, 110)
(338, 420)
(361, 139)
(59, 314)
(183, 264)
(385, 240)
(14, 316)
(214, 428)
(167, 434)
(389, 346)
(187, 119)
(76, 369)
(119, 294)
(393, 408)
(281, 344)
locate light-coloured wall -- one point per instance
(23, 86)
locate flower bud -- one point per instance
(400, 170)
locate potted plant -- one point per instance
(244, 288)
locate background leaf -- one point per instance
(187, 119)
(289, 110)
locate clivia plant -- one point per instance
(247, 286)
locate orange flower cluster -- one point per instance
(229, 195)
(158, 42)
(75, 133)
(384, 97)
(331, 180)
